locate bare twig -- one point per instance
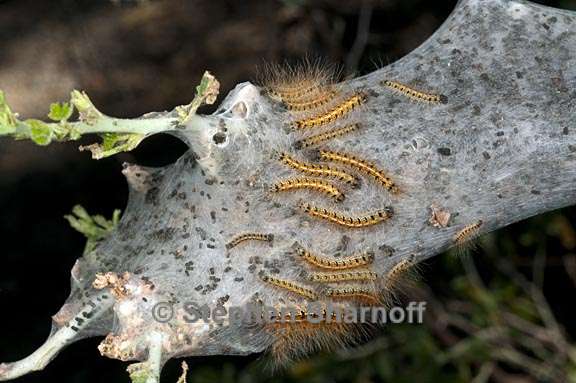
(362, 36)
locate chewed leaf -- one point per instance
(88, 112)
(206, 93)
(208, 89)
(113, 143)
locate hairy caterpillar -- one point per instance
(362, 165)
(309, 183)
(466, 235)
(360, 293)
(249, 237)
(400, 267)
(291, 286)
(332, 115)
(347, 276)
(323, 137)
(293, 340)
(415, 94)
(394, 276)
(318, 170)
(347, 221)
(297, 86)
(297, 83)
(333, 263)
(321, 97)
(301, 95)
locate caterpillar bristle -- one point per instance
(294, 341)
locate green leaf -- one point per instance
(139, 372)
(8, 119)
(60, 111)
(95, 228)
(40, 132)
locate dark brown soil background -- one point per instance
(133, 58)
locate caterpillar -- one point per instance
(362, 165)
(291, 286)
(296, 86)
(333, 263)
(321, 97)
(343, 276)
(332, 115)
(323, 137)
(348, 221)
(415, 94)
(360, 293)
(293, 340)
(296, 83)
(309, 183)
(318, 170)
(467, 234)
(400, 267)
(302, 94)
(392, 277)
(249, 237)
(285, 314)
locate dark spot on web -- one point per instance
(444, 151)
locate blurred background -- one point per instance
(501, 314)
